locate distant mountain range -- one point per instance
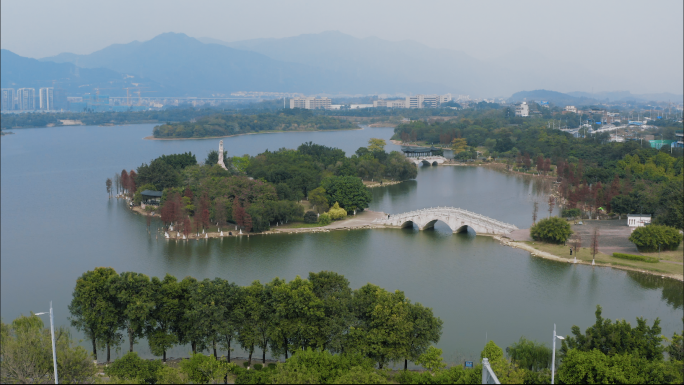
(585, 98)
(332, 63)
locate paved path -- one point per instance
(360, 220)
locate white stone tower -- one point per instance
(220, 161)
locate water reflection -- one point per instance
(671, 289)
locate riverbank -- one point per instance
(254, 133)
(584, 257)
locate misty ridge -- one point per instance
(330, 63)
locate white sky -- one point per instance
(629, 38)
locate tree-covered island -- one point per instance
(256, 192)
(227, 124)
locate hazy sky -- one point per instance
(627, 38)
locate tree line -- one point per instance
(223, 124)
(622, 178)
(280, 317)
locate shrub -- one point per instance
(258, 366)
(254, 377)
(245, 364)
(647, 238)
(132, 367)
(324, 219)
(203, 369)
(552, 230)
(635, 257)
(310, 217)
(336, 212)
(271, 366)
(570, 213)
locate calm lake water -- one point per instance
(58, 223)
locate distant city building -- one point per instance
(522, 109)
(26, 99)
(427, 101)
(46, 98)
(7, 99)
(310, 103)
(390, 103)
(679, 143)
(571, 109)
(638, 220)
(357, 106)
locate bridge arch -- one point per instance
(407, 224)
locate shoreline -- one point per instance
(253, 133)
(364, 221)
(543, 254)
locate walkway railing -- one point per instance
(445, 210)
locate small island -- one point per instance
(309, 187)
(230, 124)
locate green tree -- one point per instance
(507, 372)
(656, 237)
(552, 230)
(426, 330)
(382, 324)
(348, 191)
(311, 366)
(318, 198)
(133, 292)
(94, 309)
(376, 145)
(670, 211)
(26, 351)
(617, 337)
(431, 359)
(164, 314)
(158, 173)
(255, 319)
(333, 291)
(459, 145)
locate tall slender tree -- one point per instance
(133, 292)
(164, 315)
(109, 187)
(93, 308)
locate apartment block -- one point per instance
(390, 103)
(7, 99)
(26, 99)
(310, 103)
(427, 101)
(46, 98)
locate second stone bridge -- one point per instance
(457, 219)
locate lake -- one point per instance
(57, 223)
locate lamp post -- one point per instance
(553, 355)
(52, 334)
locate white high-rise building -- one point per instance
(46, 97)
(401, 103)
(310, 103)
(427, 101)
(7, 99)
(26, 99)
(522, 109)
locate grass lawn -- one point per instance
(585, 255)
(676, 255)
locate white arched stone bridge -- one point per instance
(428, 160)
(457, 219)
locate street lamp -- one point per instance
(52, 334)
(553, 355)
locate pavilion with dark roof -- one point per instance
(415, 152)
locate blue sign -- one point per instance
(469, 364)
(660, 117)
(598, 122)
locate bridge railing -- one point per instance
(478, 218)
